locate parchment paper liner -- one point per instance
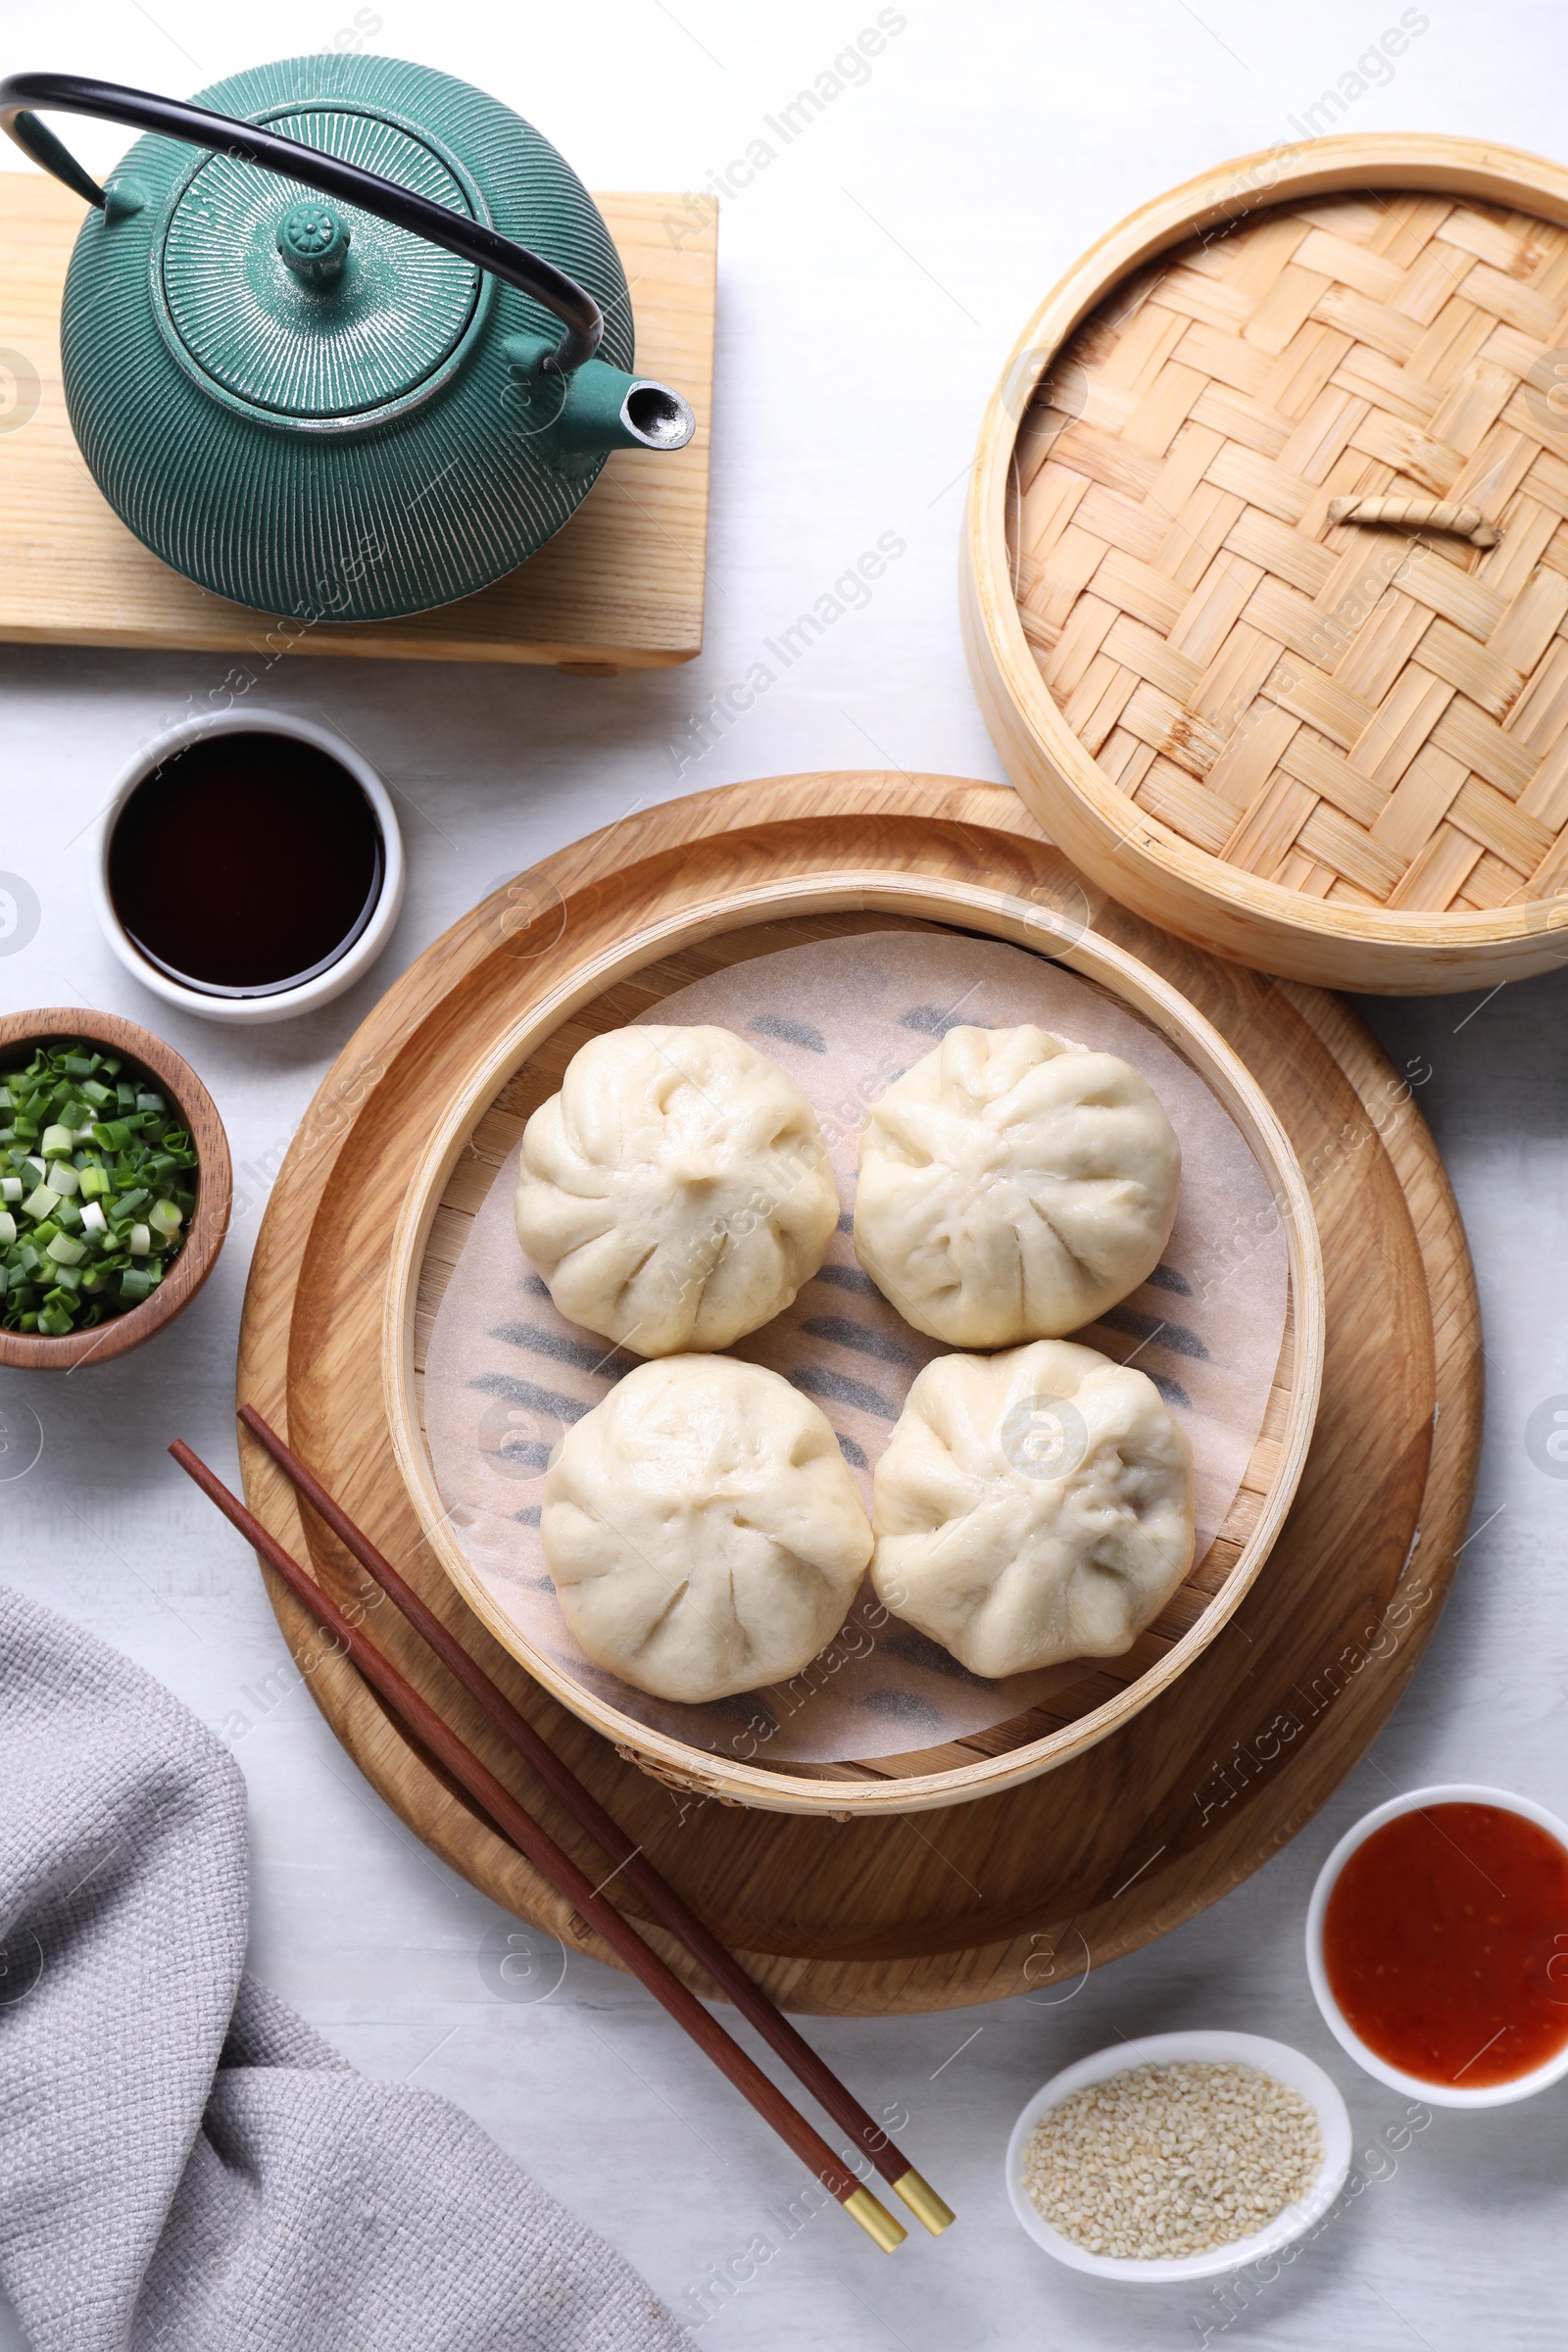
(505, 1375)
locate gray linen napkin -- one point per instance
(184, 2165)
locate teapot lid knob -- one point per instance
(313, 241)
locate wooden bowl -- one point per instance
(1335, 751)
(28, 1351)
(465, 1131)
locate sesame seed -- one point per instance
(1171, 2160)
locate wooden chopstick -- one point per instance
(630, 1862)
(521, 1828)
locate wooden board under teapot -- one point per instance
(620, 588)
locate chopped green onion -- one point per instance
(98, 1188)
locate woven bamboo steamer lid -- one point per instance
(1334, 749)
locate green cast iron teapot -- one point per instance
(309, 366)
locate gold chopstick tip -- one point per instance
(924, 2202)
(877, 2221)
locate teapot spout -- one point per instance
(601, 408)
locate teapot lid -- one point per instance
(309, 311)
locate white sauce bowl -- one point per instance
(281, 1003)
(1435, 2094)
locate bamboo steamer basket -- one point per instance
(1335, 749)
(473, 1106)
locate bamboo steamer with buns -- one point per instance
(1265, 590)
(722, 902)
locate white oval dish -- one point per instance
(1275, 2058)
(1435, 2094)
(279, 1005)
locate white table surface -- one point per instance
(871, 281)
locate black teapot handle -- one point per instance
(471, 240)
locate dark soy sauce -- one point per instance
(246, 863)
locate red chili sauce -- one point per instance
(1446, 1942)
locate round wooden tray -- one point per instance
(1008, 1893)
(509, 1057)
(1336, 751)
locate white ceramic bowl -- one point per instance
(1435, 2094)
(282, 1004)
(1274, 2058)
